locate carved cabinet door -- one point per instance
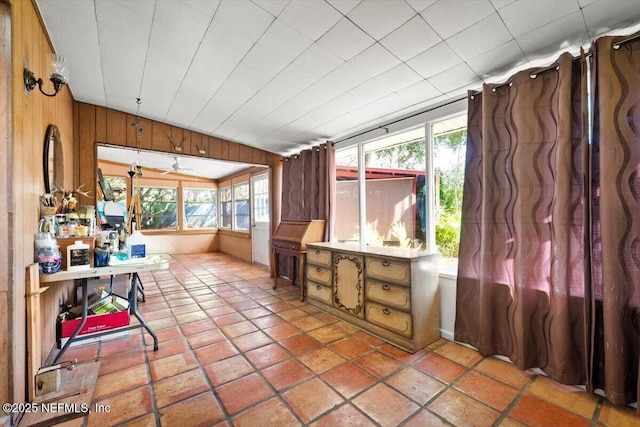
(348, 291)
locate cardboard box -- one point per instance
(97, 323)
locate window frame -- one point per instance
(176, 188)
(185, 225)
(426, 119)
(234, 207)
(221, 202)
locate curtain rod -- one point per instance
(384, 126)
(555, 65)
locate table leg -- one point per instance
(275, 268)
(133, 309)
(301, 269)
(85, 310)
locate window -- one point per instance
(241, 206)
(394, 179)
(200, 208)
(390, 175)
(159, 208)
(260, 186)
(226, 214)
(449, 150)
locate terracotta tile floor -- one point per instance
(235, 352)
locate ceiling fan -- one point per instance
(176, 167)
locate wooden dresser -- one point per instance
(291, 238)
(390, 292)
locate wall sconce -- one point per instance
(57, 68)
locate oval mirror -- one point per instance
(53, 161)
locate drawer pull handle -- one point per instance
(317, 251)
(318, 269)
(386, 263)
(318, 287)
(386, 311)
(386, 287)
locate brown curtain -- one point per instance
(308, 191)
(308, 185)
(520, 290)
(615, 288)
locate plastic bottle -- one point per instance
(78, 256)
(136, 245)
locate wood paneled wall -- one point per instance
(31, 113)
(81, 127)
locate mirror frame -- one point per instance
(53, 160)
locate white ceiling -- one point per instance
(279, 75)
(162, 162)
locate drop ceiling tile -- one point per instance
(285, 41)
(412, 38)
(398, 78)
(318, 60)
(433, 61)
(346, 77)
(381, 17)
(143, 7)
(262, 58)
(345, 40)
(500, 4)
(217, 110)
(176, 44)
(460, 76)
(188, 103)
(245, 18)
(338, 127)
(480, 37)
(378, 109)
(498, 61)
(243, 83)
(605, 16)
(344, 6)
(312, 19)
(120, 20)
(274, 7)
(419, 92)
(565, 34)
(50, 8)
(420, 5)
(297, 76)
(449, 17)
(375, 60)
(182, 18)
(236, 123)
(368, 92)
(273, 94)
(522, 16)
(208, 7)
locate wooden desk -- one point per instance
(150, 265)
(291, 238)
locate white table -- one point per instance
(152, 264)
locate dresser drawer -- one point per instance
(319, 292)
(388, 270)
(320, 257)
(284, 244)
(319, 274)
(389, 318)
(388, 294)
